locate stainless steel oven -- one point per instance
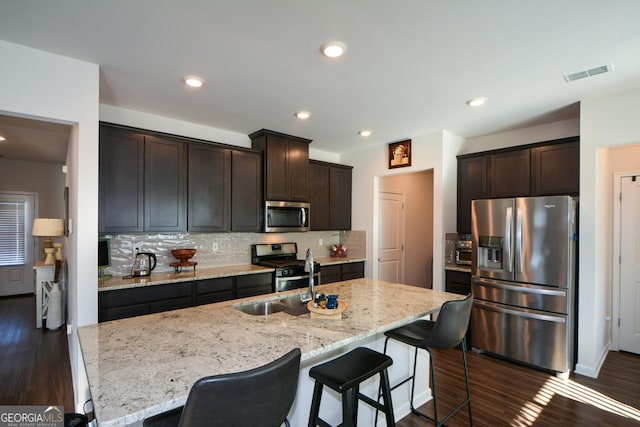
(284, 283)
(288, 269)
(463, 252)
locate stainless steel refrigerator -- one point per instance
(523, 266)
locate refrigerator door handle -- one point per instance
(519, 288)
(519, 246)
(507, 237)
(519, 313)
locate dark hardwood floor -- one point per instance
(34, 363)
(507, 394)
(34, 369)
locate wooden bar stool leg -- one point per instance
(315, 404)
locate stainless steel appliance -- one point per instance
(463, 252)
(286, 216)
(523, 266)
(143, 264)
(289, 271)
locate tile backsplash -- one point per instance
(233, 248)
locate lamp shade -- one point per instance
(48, 227)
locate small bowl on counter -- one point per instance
(183, 255)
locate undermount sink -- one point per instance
(290, 304)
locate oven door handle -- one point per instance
(306, 276)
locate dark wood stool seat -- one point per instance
(344, 374)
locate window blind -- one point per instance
(12, 229)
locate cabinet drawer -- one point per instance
(123, 312)
(254, 290)
(330, 274)
(251, 280)
(355, 269)
(214, 297)
(170, 304)
(145, 294)
(214, 285)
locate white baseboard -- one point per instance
(593, 371)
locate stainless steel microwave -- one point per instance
(286, 216)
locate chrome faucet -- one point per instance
(308, 267)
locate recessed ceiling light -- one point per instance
(303, 115)
(476, 102)
(365, 132)
(193, 81)
(2, 138)
(333, 49)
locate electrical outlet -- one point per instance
(214, 247)
(320, 242)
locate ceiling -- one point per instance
(409, 68)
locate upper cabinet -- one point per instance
(155, 183)
(542, 169)
(209, 194)
(555, 169)
(286, 165)
(165, 194)
(121, 181)
(472, 184)
(330, 196)
(246, 191)
(509, 174)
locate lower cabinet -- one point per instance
(459, 282)
(338, 272)
(121, 303)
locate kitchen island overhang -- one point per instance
(145, 365)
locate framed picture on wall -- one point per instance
(400, 154)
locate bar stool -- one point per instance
(448, 331)
(344, 374)
(260, 397)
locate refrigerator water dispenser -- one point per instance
(490, 252)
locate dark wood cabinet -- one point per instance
(121, 303)
(165, 164)
(286, 165)
(319, 196)
(253, 284)
(121, 180)
(208, 291)
(459, 282)
(209, 188)
(555, 169)
(472, 184)
(338, 272)
(509, 174)
(330, 190)
(157, 183)
(541, 169)
(246, 191)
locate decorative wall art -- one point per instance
(400, 154)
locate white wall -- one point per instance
(605, 122)
(39, 85)
(46, 179)
(429, 152)
(142, 120)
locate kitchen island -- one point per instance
(145, 365)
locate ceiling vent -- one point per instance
(588, 73)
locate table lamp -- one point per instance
(47, 228)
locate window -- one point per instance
(12, 233)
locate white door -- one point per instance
(630, 265)
(16, 243)
(391, 232)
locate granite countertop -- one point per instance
(163, 277)
(462, 268)
(331, 260)
(199, 273)
(145, 365)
